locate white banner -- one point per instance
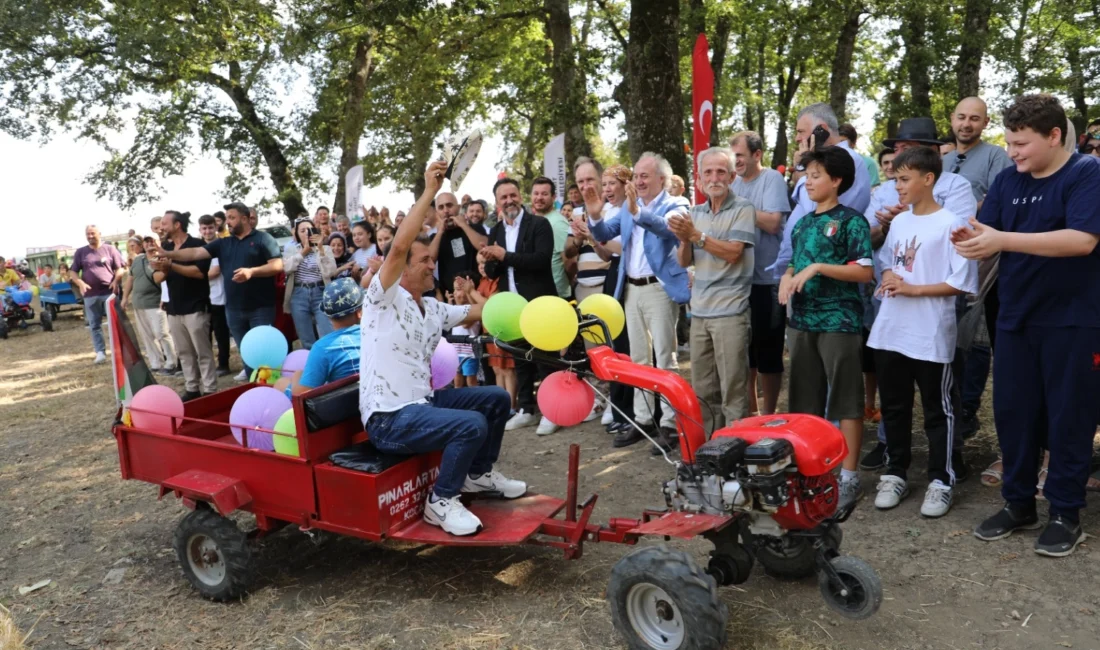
(553, 165)
(353, 191)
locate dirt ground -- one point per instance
(105, 546)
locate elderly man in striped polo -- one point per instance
(718, 238)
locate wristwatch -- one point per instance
(800, 167)
(702, 239)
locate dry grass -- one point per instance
(10, 636)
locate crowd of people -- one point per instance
(918, 268)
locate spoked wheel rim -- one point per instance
(655, 617)
(848, 592)
(205, 560)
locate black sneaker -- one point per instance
(667, 439)
(618, 427)
(190, 395)
(224, 372)
(962, 470)
(1060, 537)
(627, 436)
(875, 459)
(1013, 517)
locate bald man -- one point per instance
(454, 248)
(976, 161)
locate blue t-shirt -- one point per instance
(1047, 291)
(334, 356)
(254, 249)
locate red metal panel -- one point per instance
(226, 493)
(507, 523)
(819, 447)
(281, 486)
(375, 504)
(684, 525)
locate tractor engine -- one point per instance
(778, 466)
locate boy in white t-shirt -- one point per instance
(914, 333)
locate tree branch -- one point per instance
(615, 31)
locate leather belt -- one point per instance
(641, 282)
(310, 285)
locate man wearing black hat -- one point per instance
(951, 190)
(250, 259)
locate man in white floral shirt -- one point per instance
(401, 328)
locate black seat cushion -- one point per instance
(333, 407)
(364, 457)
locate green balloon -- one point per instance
(286, 445)
(501, 315)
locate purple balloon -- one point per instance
(444, 364)
(258, 407)
(295, 361)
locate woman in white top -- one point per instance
(309, 266)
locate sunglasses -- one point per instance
(959, 160)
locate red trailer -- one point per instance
(760, 490)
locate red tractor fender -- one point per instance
(224, 493)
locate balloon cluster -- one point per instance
(550, 323)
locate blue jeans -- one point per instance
(466, 423)
(305, 309)
(95, 312)
(974, 377)
(242, 320)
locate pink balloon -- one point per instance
(295, 361)
(258, 407)
(444, 364)
(565, 399)
(153, 408)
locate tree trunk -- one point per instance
(568, 112)
(976, 33)
(789, 80)
(264, 138)
(720, 45)
(761, 73)
(914, 34)
(651, 98)
(840, 79)
(1018, 40)
(894, 105)
(351, 127)
(1076, 89)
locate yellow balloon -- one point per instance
(607, 309)
(549, 323)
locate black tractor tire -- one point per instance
(797, 558)
(3, 329)
(214, 554)
(662, 600)
(731, 566)
(860, 595)
(52, 308)
(46, 319)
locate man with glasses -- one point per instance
(976, 161)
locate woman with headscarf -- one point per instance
(344, 262)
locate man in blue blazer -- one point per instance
(651, 284)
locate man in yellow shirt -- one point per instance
(8, 277)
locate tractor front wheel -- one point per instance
(214, 555)
(46, 319)
(662, 600)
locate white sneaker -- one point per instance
(937, 500)
(594, 413)
(851, 491)
(520, 420)
(451, 516)
(100, 358)
(546, 427)
(241, 376)
(608, 416)
(494, 481)
(891, 490)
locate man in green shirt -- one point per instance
(564, 261)
(849, 132)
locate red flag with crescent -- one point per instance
(702, 103)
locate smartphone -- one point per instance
(820, 135)
(314, 231)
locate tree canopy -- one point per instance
(298, 91)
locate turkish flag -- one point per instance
(702, 103)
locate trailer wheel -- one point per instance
(214, 555)
(52, 308)
(793, 557)
(46, 319)
(3, 329)
(858, 592)
(661, 600)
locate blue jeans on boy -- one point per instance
(95, 312)
(466, 423)
(242, 320)
(305, 309)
